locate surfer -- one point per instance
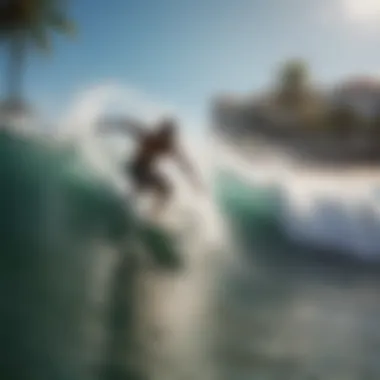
(160, 142)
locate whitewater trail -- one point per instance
(180, 307)
(175, 311)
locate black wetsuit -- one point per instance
(142, 167)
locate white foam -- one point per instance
(333, 210)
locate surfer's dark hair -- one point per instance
(167, 125)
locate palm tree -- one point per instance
(25, 23)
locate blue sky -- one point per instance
(181, 52)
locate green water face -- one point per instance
(59, 222)
(68, 266)
(237, 198)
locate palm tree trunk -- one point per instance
(16, 66)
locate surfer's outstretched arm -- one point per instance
(132, 127)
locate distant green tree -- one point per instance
(25, 23)
(343, 121)
(375, 127)
(293, 84)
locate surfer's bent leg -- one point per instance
(146, 179)
(139, 176)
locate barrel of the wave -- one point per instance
(63, 252)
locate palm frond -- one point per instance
(29, 15)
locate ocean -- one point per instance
(90, 291)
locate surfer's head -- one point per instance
(167, 128)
